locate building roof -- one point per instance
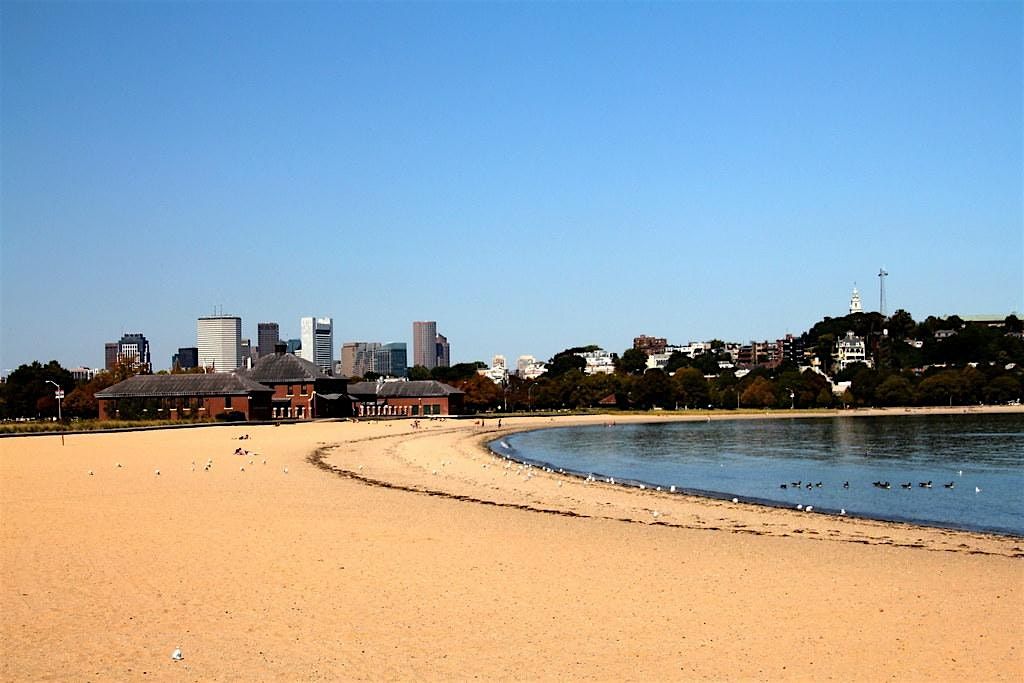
(209, 384)
(415, 389)
(278, 368)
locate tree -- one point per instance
(896, 390)
(564, 361)
(82, 401)
(676, 360)
(653, 389)
(481, 393)
(1002, 389)
(418, 373)
(28, 393)
(759, 394)
(901, 325)
(632, 362)
(691, 389)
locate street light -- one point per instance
(60, 395)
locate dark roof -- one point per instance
(209, 384)
(415, 389)
(284, 367)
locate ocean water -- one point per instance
(751, 459)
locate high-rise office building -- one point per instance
(267, 334)
(133, 351)
(186, 358)
(443, 352)
(317, 336)
(293, 346)
(109, 355)
(394, 360)
(424, 343)
(219, 340)
(386, 360)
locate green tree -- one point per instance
(419, 372)
(691, 389)
(1002, 389)
(676, 360)
(654, 388)
(28, 393)
(632, 362)
(895, 390)
(565, 361)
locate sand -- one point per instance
(361, 563)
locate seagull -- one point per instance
(242, 468)
(158, 473)
(799, 506)
(842, 511)
(977, 490)
(960, 472)
(735, 500)
(286, 470)
(655, 513)
(90, 473)
(672, 489)
(176, 655)
(808, 508)
(118, 464)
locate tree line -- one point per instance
(938, 361)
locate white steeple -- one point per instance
(855, 301)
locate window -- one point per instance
(305, 389)
(227, 402)
(291, 390)
(415, 410)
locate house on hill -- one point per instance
(407, 399)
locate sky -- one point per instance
(532, 176)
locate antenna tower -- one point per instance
(881, 290)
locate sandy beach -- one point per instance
(371, 550)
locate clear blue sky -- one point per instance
(532, 176)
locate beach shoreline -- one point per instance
(264, 566)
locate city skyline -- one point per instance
(574, 173)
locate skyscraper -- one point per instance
(443, 352)
(424, 343)
(109, 355)
(267, 334)
(317, 336)
(133, 350)
(393, 360)
(219, 340)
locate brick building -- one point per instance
(408, 399)
(184, 397)
(301, 389)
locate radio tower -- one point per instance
(881, 290)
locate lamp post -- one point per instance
(60, 395)
(529, 397)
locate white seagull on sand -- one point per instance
(176, 655)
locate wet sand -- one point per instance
(361, 563)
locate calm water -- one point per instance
(750, 459)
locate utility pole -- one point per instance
(881, 290)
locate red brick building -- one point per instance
(301, 389)
(184, 397)
(425, 398)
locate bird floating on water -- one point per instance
(977, 490)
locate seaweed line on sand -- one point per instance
(316, 458)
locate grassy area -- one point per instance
(88, 425)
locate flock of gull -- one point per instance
(208, 465)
